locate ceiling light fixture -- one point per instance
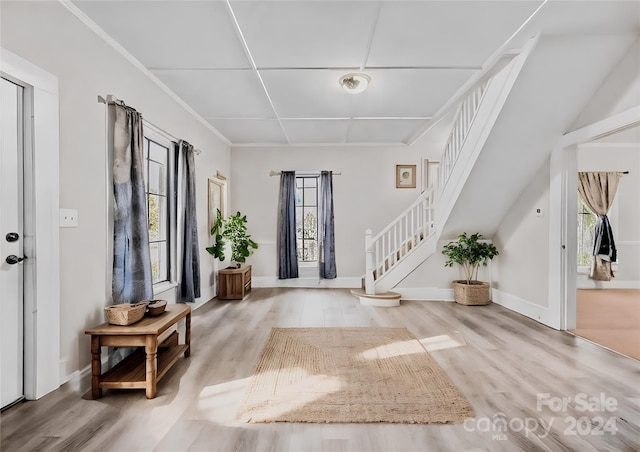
(355, 82)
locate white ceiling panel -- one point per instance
(444, 33)
(242, 131)
(418, 53)
(599, 17)
(312, 34)
(171, 34)
(316, 130)
(409, 92)
(382, 130)
(235, 94)
(312, 93)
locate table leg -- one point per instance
(151, 350)
(96, 368)
(187, 335)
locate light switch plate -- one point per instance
(68, 218)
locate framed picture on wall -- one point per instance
(405, 176)
(216, 200)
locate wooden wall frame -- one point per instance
(405, 176)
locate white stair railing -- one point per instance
(464, 119)
(396, 241)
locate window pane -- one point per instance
(310, 223)
(586, 226)
(157, 178)
(158, 153)
(145, 152)
(298, 196)
(310, 196)
(158, 253)
(299, 222)
(312, 250)
(299, 249)
(157, 206)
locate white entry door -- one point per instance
(11, 240)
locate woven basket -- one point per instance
(156, 307)
(125, 314)
(474, 294)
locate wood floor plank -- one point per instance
(502, 362)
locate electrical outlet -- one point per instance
(539, 212)
(68, 218)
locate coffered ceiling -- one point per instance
(266, 72)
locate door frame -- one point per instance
(562, 218)
(41, 238)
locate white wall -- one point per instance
(619, 157)
(48, 35)
(364, 195)
(521, 269)
(618, 93)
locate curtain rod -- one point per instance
(112, 100)
(277, 173)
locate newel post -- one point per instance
(368, 276)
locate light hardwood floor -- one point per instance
(611, 318)
(502, 362)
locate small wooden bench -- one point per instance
(143, 368)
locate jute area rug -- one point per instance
(350, 375)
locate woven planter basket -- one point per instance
(125, 313)
(474, 294)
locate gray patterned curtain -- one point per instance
(327, 243)
(132, 279)
(598, 190)
(189, 288)
(287, 253)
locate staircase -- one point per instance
(412, 237)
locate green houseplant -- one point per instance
(234, 230)
(469, 252)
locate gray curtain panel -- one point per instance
(287, 254)
(327, 243)
(189, 288)
(598, 191)
(132, 278)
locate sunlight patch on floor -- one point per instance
(391, 350)
(219, 403)
(443, 341)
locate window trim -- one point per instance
(307, 175)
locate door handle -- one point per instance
(13, 259)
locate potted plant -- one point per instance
(470, 253)
(233, 229)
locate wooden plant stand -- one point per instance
(234, 283)
(143, 368)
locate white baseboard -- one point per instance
(522, 306)
(424, 294)
(337, 283)
(206, 295)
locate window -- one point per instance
(586, 225)
(307, 219)
(158, 173)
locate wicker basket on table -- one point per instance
(125, 313)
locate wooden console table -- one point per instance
(234, 283)
(144, 367)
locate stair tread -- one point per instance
(383, 296)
